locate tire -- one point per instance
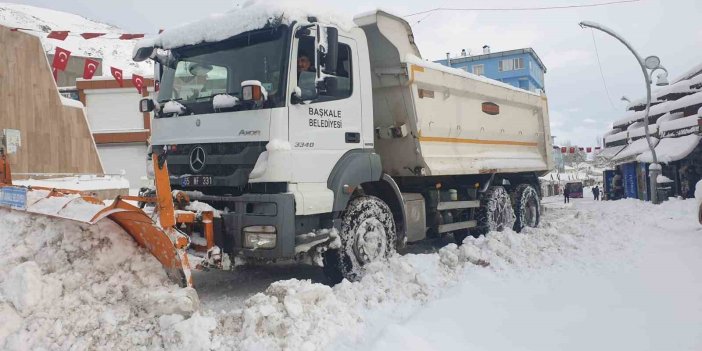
(367, 235)
(527, 207)
(495, 213)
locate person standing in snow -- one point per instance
(566, 194)
(596, 193)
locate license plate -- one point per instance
(196, 181)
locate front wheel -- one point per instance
(367, 235)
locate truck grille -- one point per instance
(229, 163)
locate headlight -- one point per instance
(259, 237)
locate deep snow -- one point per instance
(595, 275)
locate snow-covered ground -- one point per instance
(595, 275)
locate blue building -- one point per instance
(521, 68)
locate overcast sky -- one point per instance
(579, 106)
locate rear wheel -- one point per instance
(367, 235)
(495, 213)
(527, 207)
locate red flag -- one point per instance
(157, 85)
(563, 150)
(131, 36)
(55, 73)
(58, 34)
(61, 58)
(589, 150)
(89, 68)
(138, 82)
(91, 35)
(117, 73)
(572, 150)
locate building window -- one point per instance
(505, 65)
(511, 64)
(479, 70)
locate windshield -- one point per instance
(193, 75)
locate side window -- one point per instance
(338, 86)
(344, 86)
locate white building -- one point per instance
(121, 132)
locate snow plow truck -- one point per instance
(309, 138)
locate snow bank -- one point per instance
(64, 285)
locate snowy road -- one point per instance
(646, 295)
(621, 275)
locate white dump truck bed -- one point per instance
(434, 120)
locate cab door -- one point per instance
(323, 123)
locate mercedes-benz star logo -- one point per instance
(197, 159)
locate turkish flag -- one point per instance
(61, 58)
(91, 35)
(589, 150)
(117, 73)
(157, 85)
(58, 34)
(572, 150)
(138, 82)
(563, 150)
(131, 36)
(89, 68)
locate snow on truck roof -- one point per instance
(252, 15)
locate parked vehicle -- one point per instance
(575, 189)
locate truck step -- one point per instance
(445, 228)
(452, 205)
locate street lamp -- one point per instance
(652, 63)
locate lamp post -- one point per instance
(651, 63)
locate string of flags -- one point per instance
(63, 34)
(62, 56)
(571, 149)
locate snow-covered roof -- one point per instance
(681, 87)
(672, 149)
(680, 123)
(685, 101)
(631, 116)
(641, 131)
(616, 137)
(634, 149)
(609, 152)
(668, 117)
(252, 15)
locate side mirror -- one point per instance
(332, 56)
(327, 41)
(142, 53)
(146, 105)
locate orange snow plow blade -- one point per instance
(164, 242)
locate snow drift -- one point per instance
(64, 285)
